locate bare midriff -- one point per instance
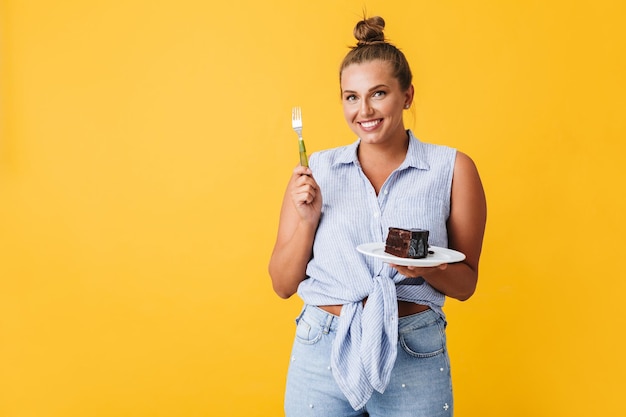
(405, 308)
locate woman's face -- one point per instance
(373, 102)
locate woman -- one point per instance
(366, 343)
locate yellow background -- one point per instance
(144, 150)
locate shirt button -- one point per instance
(386, 192)
(376, 215)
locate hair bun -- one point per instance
(369, 31)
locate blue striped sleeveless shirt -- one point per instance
(416, 195)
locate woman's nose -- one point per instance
(366, 108)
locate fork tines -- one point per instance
(296, 117)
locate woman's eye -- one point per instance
(350, 98)
(379, 94)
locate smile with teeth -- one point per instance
(370, 123)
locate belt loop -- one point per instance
(329, 321)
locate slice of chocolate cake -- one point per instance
(407, 243)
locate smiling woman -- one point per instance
(352, 195)
(141, 140)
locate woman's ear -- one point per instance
(409, 97)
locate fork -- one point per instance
(296, 124)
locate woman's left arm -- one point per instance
(466, 228)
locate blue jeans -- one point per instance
(420, 381)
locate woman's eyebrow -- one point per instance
(376, 87)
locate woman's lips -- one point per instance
(370, 124)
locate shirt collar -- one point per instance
(415, 155)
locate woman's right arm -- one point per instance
(299, 217)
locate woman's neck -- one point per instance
(378, 161)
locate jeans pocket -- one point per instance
(426, 341)
(306, 333)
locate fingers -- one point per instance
(417, 271)
(427, 268)
(304, 188)
(300, 170)
(304, 194)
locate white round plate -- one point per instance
(440, 255)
